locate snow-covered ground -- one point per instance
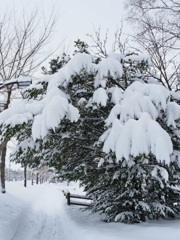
(40, 212)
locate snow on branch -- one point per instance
(138, 137)
(105, 68)
(133, 129)
(79, 62)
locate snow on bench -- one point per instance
(80, 199)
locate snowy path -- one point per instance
(42, 220)
(41, 213)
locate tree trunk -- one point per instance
(3, 158)
(25, 176)
(37, 177)
(4, 150)
(32, 179)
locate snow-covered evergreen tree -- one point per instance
(106, 123)
(142, 171)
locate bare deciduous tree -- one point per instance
(166, 11)
(158, 32)
(100, 45)
(22, 40)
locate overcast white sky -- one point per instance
(76, 18)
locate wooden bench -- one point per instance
(69, 196)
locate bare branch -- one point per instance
(21, 43)
(158, 32)
(100, 45)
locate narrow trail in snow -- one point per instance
(43, 220)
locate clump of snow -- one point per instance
(116, 56)
(16, 114)
(173, 113)
(115, 112)
(72, 113)
(105, 68)
(50, 117)
(112, 136)
(82, 101)
(101, 162)
(56, 107)
(100, 97)
(18, 119)
(159, 140)
(33, 106)
(158, 94)
(116, 95)
(137, 99)
(79, 62)
(121, 216)
(48, 112)
(134, 104)
(137, 58)
(162, 171)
